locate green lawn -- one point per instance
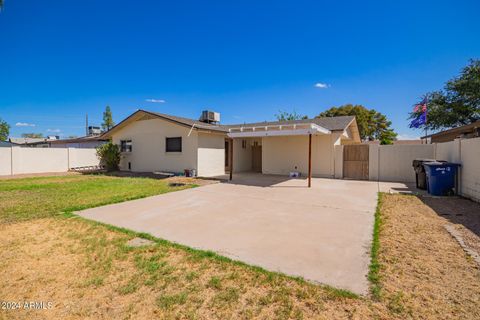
(23, 199)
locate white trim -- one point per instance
(308, 128)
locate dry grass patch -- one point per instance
(88, 272)
(425, 273)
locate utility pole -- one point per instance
(86, 124)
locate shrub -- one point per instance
(109, 155)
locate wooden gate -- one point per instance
(355, 162)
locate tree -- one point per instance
(32, 135)
(109, 155)
(4, 129)
(1, 5)
(457, 104)
(107, 119)
(286, 116)
(372, 124)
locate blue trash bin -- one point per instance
(440, 177)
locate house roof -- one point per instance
(458, 130)
(189, 122)
(330, 123)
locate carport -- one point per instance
(277, 130)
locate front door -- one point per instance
(257, 158)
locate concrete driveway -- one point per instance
(322, 234)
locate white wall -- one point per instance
(281, 155)
(5, 161)
(19, 160)
(449, 151)
(211, 155)
(36, 160)
(470, 170)
(79, 157)
(338, 162)
(148, 146)
(394, 162)
(242, 158)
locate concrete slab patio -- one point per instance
(322, 234)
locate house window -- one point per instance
(126, 145)
(173, 144)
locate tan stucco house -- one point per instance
(153, 141)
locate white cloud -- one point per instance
(24, 124)
(54, 130)
(155, 100)
(322, 85)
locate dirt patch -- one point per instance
(463, 213)
(195, 181)
(457, 210)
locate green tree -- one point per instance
(107, 119)
(286, 116)
(109, 155)
(4, 129)
(457, 104)
(32, 135)
(372, 124)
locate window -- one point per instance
(173, 144)
(126, 145)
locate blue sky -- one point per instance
(246, 59)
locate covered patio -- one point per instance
(306, 130)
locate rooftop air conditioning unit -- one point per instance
(93, 131)
(210, 117)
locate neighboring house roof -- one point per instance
(397, 142)
(6, 144)
(330, 123)
(469, 130)
(408, 142)
(78, 140)
(374, 142)
(27, 140)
